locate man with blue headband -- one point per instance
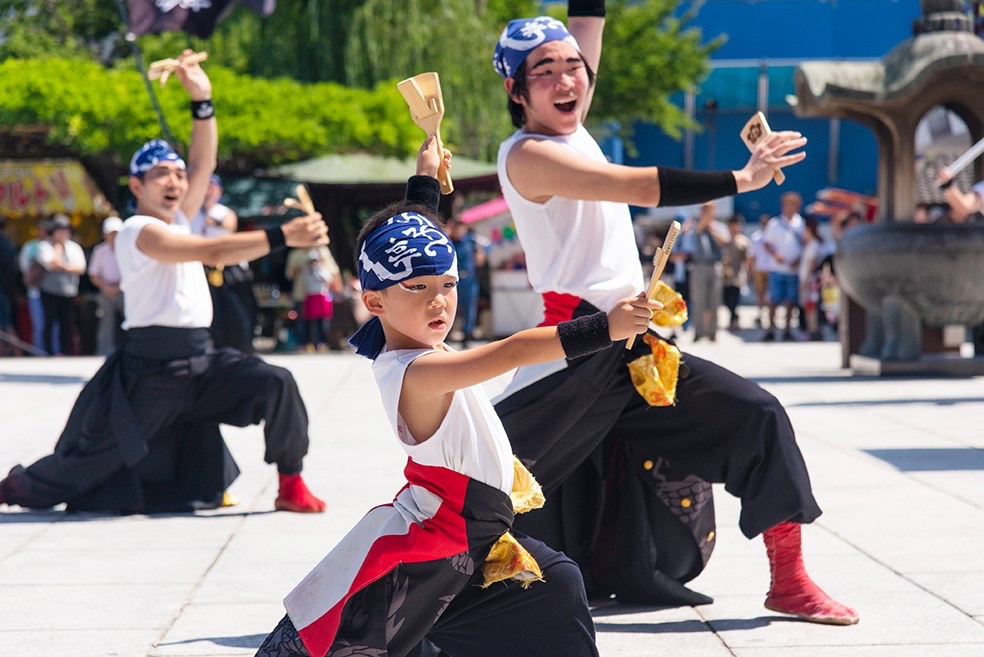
(627, 483)
(143, 435)
(440, 561)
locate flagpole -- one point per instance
(131, 38)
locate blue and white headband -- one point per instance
(405, 246)
(522, 36)
(151, 154)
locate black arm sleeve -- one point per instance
(425, 191)
(685, 187)
(584, 335)
(586, 8)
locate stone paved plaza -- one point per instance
(897, 465)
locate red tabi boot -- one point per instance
(295, 496)
(792, 591)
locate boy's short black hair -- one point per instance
(516, 112)
(381, 217)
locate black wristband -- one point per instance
(425, 191)
(586, 8)
(275, 237)
(685, 187)
(202, 109)
(584, 335)
(947, 184)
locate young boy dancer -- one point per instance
(626, 482)
(143, 435)
(430, 564)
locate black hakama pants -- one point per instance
(627, 484)
(547, 619)
(144, 432)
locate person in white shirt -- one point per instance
(143, 435)
(809, 277)
(104, 273)
(784, 241)
(64, 262)
(31, 272)
(627, 484)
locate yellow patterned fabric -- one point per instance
(526, 492)
(655, 374)
(674, 312)
(508, 559)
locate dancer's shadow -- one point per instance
(246, 641)
(672, 627)
(58, 515)
(694, 626)
(57, 379)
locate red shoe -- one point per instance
(295, 496)
(792, 591)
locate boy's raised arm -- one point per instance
(443, 372)
(423, 188)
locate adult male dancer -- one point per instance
(625, 482)
(143, 434)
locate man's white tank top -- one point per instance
(470, 440)
(583, 248)
(156, 293)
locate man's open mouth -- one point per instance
(567, 106)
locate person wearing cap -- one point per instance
(231, 287)
(143, 435)
(64, 262)
(627, 483)
(105, 275)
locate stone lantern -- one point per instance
(907, 276)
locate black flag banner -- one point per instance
(196, 17)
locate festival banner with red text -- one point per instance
(41, 188)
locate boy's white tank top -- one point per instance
(583, 248)
(470, 440)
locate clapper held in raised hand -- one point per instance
(660, 259)
(756, 128)
(423, 95)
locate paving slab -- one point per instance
(897, 465)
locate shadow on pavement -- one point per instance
(245, 641)
(927, 460)
(42, 378)
(939, 401)
(34, 516)
(689, 626)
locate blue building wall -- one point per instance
(777, 34)
(807, 28)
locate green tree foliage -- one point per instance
(106, 112)
(366, 45)
(35, 28)
(650, 54)
(448, 36)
